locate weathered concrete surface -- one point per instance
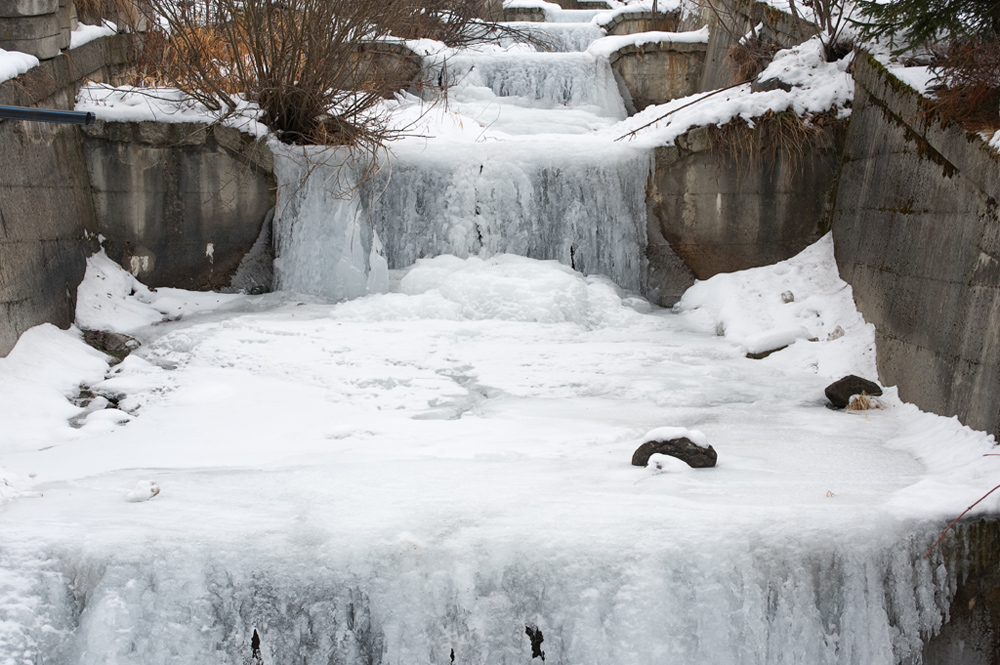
(179, 204)
(394, 65)
(10, 8)
(36, 35)
(739, 17)
(972, 634)
(657, 72)
(46, 209)
(917, 234)
(529, 14)
(632, 23)
(720, 209)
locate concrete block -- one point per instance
(37, 35)
(659, 72)
(15, 8)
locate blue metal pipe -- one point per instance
(46, 115)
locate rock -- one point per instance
(840, 392)
(115, 345)
(770, 84)
(761, 345)
(837, 333)
(787, 297)
(683, 449)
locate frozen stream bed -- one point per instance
(420, 475)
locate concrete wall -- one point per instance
(46, 209)
(657, 72)
(530, 14)
(179, 204)
(182, 204)
(629, 24)
(917, 234)
(720, 206)
(733, 19)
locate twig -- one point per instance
(954, 521)
(680, 108)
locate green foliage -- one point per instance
(923, 22)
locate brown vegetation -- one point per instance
(969, 74)
(316, 68)
(772, 133)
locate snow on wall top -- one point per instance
(608, 45)
(817, 86)
(15, 63)
(84, 34)
(169, 105)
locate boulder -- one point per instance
(840, 392)
(683, 449)
(114, 344)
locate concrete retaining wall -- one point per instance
(917, 234)
(182, 204)
(657, 72)
(46, 207)
(530, 14)
(632, 23)
(719, 209)
(738, 17)
(179, 204)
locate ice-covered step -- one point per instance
(541, 80)
(573, 15)
(581, 203)
(561, 37)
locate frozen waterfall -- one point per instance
(417, 451)
(530, 173)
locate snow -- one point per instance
(451, 459)
(15, 63)
(169, 105)
(642, 7)
(422, 443)
(112, 299)
(658, 464)
(84, 34)
(609, 45)
(817, 87)
(697, 437)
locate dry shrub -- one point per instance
(301, 60)
(750, 57)
(969, 74)
(94, 11)
(318, 69)
(773, 133)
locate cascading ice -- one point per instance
(583, 207)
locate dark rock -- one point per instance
(535, 635)
(683, 449)
(765, 354)
(770, 84)
(114, 344)
(840, 392)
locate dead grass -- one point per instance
(315, 67)
(749, 57)
(773, 135)
(863, 402)
(969, 91)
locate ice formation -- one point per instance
(439, 461)
(428, 471)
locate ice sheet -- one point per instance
(433, 469)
